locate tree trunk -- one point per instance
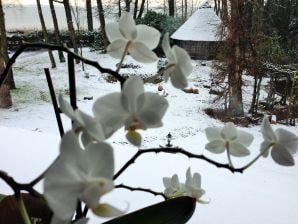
(182, 9)
(5, 98)
(102, 23)
(135, 9)
(119, 8)
(71, 29)
(171, 7)
(127, 5)
(56, 29)
(4, 50)
(45, 32)
(185, 11)
(141, 8)
(89, 15)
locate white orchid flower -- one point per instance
(133, 108)
(228, 137)
(179, 64)
(193, 186)
(173, 187)
(283, 144)
(90, 127)
(138, 40)
(79, 174)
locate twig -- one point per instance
(175, 150)
(141, 189)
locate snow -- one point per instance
(266, 193)
(201, 26)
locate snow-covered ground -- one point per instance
(264, 194)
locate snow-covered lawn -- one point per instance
(264, 194)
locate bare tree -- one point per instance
(89, 15)
(45, 32)
(56, 30)
(4, 49)
(5, 98)
(135, 9)
(171, 7)
(127, 5)
(102, 22)
(141, 8)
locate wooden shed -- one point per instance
(198, 35)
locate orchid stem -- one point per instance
(257, 157)
(229, 156)
(123, 56)
(23, 209)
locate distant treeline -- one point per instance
(84, 38)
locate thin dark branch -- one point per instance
(175, 150)
(17, 187)
(141, 189)
(52, 47)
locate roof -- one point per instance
(201, 26)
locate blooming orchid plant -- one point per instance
(84, 170)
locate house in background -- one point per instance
(198, 35)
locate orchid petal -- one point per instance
(134, 138)
(140, 52)
(112, 32)
(244, 138)
(238, 150)
(133, 87)
(287, 139)
(148, 35)
(127, 26)
(116, 48)
(267, 131)
(66, 108)
(166, 182)
(212, 133)
(216, 146)
(183, 60)
(151, 108)
(178, 79)
(229, 131)
(282, 156)
(265, 148)
(168, 50)
(106, 210)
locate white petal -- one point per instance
(127, 26)
(133, 87)
(244, 138)
(148, 35)
(117, 48)
(69, 147)
(178, 79)
(56, 220)
(106, 210)
(92, 126)
(229, 131)
(197, 180)
(151, 108)
(140, 52)
(113, 32)
(66, 108)
(267, 131)
(93, 189)
(134, 138)
(166, 182)
(110, 112)
(183, 60)
(282, 156)
(288, 139)
(175, 181)
(216, 146)
(81, 221)
(100, 160)
(168, 50)
(265, 146)
(212, 133)
(238, 150)
(188, 181)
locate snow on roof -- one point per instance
(201, 26)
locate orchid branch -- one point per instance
(175, 150)
(155, 193)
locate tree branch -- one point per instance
(175, 150)
(25, 46)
